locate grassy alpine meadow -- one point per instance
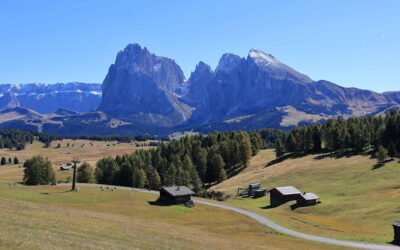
(48, 217)
(61, 152)
(359, 198)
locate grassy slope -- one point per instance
(47, 217)
(359, 201)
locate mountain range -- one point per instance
(146, 93)
(46, 98)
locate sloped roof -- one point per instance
(309, 196)
(178, 191)
(396, 223)
(288, 190)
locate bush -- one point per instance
(38, 171)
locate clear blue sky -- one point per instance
(352, 43)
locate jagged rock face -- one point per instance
(240, 87)
(142, 83)
(46, 98)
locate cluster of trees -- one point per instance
(376, 132)
(10, 138)
(269, 137)
(190, 161)
(38, 171)
(4, 161)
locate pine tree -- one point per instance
(201, 163)
(245, 149)
(155, 181)
(3, 161)
(280, 150)
(139, 178)
(316, 137)
(217, 166)
(291, 144)
(256, 142)
(16, 161)
(392, 152)
(381, 154)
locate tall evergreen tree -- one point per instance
(280, 149)
(245, 149)
(291, 144)
(392, 151)
(381, 154)
(155, 181)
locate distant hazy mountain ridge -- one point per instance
(46, 98)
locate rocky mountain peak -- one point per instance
(227, 63)
(262, 59)
(201, 69)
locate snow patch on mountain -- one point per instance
(262, 59)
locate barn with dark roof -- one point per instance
(279, 195)
(176, 194)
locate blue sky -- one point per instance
(352, 43)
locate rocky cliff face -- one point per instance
(244, 87)
(141, 85)
(46, 98)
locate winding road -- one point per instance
(267, 222)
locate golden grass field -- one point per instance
(48, 217)
(360, 199)
(84, 150)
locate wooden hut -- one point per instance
(307, 199)
(176, 194)
(396, 228)
(279, 195)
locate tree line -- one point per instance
(17, 139)
(376, 133)
(190, 161)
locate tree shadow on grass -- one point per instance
(235, 170)
(285, 157)
(380, 164)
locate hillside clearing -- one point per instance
(360, 199)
